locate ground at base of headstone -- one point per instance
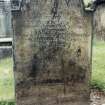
(97, 97)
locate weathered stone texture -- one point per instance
(52, 53)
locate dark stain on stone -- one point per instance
(50, 81)
(81, 74)
(23, 84)
(35, 66)
(67, 2)
(71, 62)
(28, 6)
(78, 73)
(78, 52)
(54, 10)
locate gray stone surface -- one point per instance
(5, 19)
(5, 52)
(52, 53)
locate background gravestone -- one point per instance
(5, 28)
(5, 19)
(99, 25)
(52, 52)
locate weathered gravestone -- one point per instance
(52, 52)
(5, 29)
(5, 19)
(99, 24)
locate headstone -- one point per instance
(5, 28)
(99, 24)
(52, 52)
(5, 19)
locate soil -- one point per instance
(97, 97)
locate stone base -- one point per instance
(53, 101)
(51, 95)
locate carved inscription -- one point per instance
(51, 39)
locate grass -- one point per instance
(6, 79)
(98, 65)
(7, 82)
(7, 103)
